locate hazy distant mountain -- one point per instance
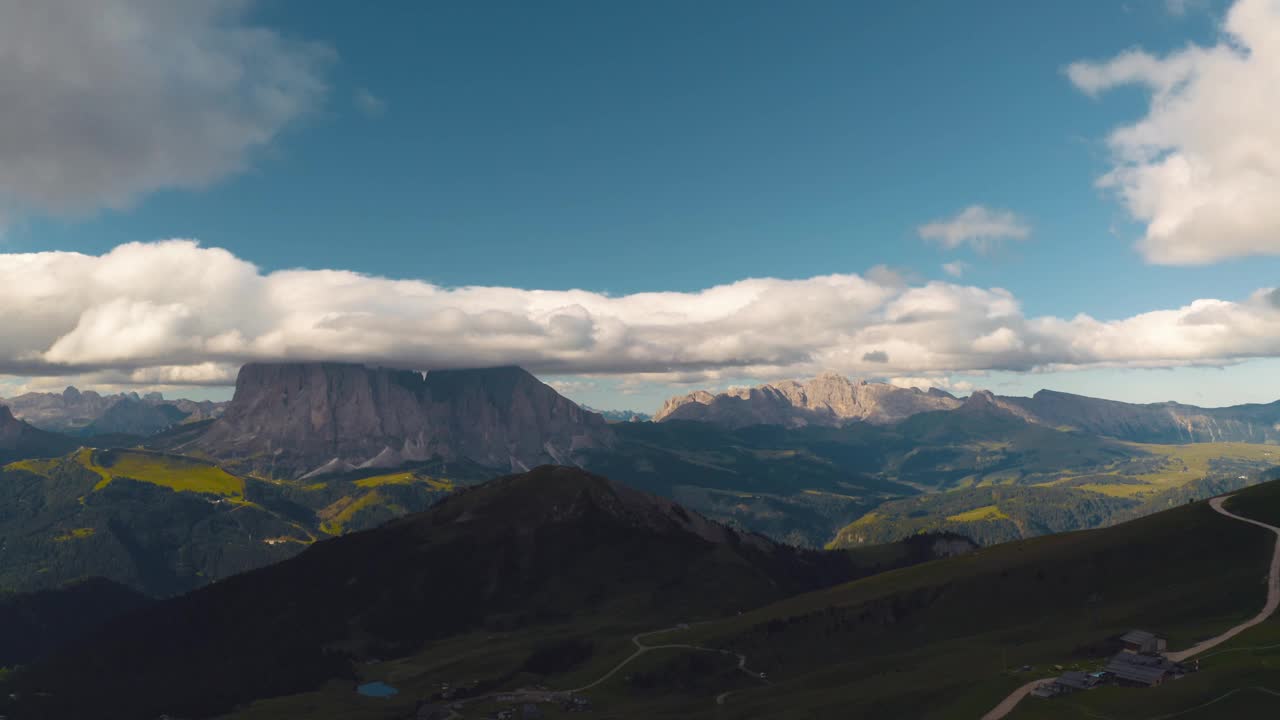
(19, 440)
(615, 416)
(89, 413)
(829, 400)
(292, 420)
(1167, 422)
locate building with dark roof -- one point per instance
(1073, 680)
(1142, 670)
(1141, 641)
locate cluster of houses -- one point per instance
(1139, 664)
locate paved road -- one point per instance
(1273, 601)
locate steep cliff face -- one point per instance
(293, 420)
(1156, 422)
(828, 399)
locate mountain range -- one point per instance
(90, 413)
(833, 400)
(310, 450)
(828, 400)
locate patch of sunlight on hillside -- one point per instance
(405, 478)
(986, 512)
(334, 519)
(75, 534)
(176, 473)
(35, 467)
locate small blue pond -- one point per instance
(376, 689)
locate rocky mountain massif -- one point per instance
(833, 400)
(828, 400)
(90, 413)
(312, 419)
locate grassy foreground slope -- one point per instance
(944, 639)
(937, 640)
(1238, 680)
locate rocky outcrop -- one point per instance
(87, 413)
(828, 399)
(299, 419)
(1167, 422)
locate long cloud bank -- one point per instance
(177, 313)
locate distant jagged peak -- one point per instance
(980, 399)
(829, 398)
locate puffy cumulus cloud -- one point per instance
(978, 226)
(107, 101)
(176, 313)
(1201, 169)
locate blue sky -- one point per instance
(667, 146)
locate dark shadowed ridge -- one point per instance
(35, 624)
(548, 546)
(19, 440)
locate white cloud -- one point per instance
(369, 104)
(174, 313)
(955, 269)
(107, 101)
(1201, 170)
(978, 226)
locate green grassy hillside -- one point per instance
(937, 640)
(1002, 506)
(163, 523)
(941, 639)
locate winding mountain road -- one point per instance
(1273, 601)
